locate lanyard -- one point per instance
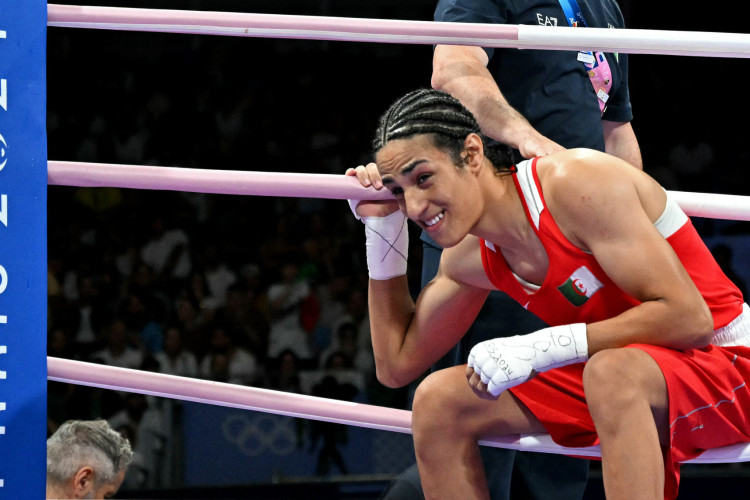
(596, 64)
(572, 13)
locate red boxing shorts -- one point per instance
(709, 403)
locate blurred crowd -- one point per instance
(261, 291)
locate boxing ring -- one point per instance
(305, 185)
(63, 173)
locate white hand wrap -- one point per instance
(387, 244)
(503, 363)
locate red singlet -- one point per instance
(708, 398)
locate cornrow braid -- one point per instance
(437, 113)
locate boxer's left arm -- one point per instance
(608, 209)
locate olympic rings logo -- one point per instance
(252, 435)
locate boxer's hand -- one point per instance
(476, 384)
(503, 363)
(386, 232)
(369, 176)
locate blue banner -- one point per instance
(23, 249)
(227, 446)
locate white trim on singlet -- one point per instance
(735, 333)
(528, 287)
(671, 219)
(530, 191)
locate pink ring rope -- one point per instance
(310, 407)
(209, 181)
(65, 173)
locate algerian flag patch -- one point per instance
(581, 285)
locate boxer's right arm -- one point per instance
(408, 338)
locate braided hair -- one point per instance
(445, 119)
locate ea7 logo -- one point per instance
(546, 20)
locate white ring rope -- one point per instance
(685, 43)
(717, 206)
(309, 407)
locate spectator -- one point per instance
(192, 321)
(90, 316)
(284, 373)
(332, 434)
(199, 289)
(86, 459)
(227, 361)
(286, 298)
(219, 277)
(117, 352)
(64, 401)
(166, 251)
(141, 320)
(346, 344)
(175, 359)
(357, 314)
(244, 312)
(333, 295)
(146, 423)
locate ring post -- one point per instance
(23, 249)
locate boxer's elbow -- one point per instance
(696, 325)
(395, 375)
(703, 330)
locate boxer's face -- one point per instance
(438, 195)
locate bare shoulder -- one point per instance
(579, 177)
(586, 188)
(463, 263)
(583, 167)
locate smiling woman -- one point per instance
(624, 359)
(434, 119)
